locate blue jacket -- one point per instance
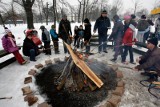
(53, 33)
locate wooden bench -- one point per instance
(8, 61)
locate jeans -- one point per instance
(126, 49)
(32, 55)
(102, 42)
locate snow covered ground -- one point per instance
(12, 76)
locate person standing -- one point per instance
(75, 36)
(102, 24)
(127, 44)
(143, 27)
(65, 31)
(30, 49)
(157, 27)
(117, 36)
(46, 40)
(87, 34)
(55, 40)
(9, 45)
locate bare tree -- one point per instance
(27, 4)
(79, 10)
(137, 5)
(40, 9)
(117, 6)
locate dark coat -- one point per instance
(151, 58)
(64, 29)
(118, 28)
(28, 44)
(87, 32)
(102, 23)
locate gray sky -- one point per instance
(149, 4)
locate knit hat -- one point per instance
(153, 41)
(7, 31)
(64, 16)
(133, 16)
(29, 32)
(53, 26)
(86, 20)
(104, 12)
(42, 27)
(127, 17)
(143, 17)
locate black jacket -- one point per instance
(102, 23)
(87, 32)
(28, 45)
(64, 29)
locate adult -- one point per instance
(116, 36)
(65, 31)
(157, 26)
(151, 60)
(127, 19)
(46, 40)
(143, 27)
(30, 49)
(9, 45)
(102, 24)
(55, 40)
(87, 34)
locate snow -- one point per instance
(12, 76)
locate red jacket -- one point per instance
(128, 37)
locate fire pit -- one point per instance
(65, 85)
(77, 82)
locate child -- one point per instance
(80, 35)
(128, 42)
(9, 45)
(55, 40)
(75, 35)
(46, 40)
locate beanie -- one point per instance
(7, 31)
(153, 41)
(42, 27)
(29, 32)
(143, 17)
(133, 16)
(53, 26)
(86, 20)
(127, 17)
(104, 12)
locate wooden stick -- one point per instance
(5, 98)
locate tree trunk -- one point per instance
(54, 11)
(2, 21)
(79, 13)
(29, 15)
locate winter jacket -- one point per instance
(151, 58)
(7, 44)
(157, 25)
(28, 44)
(142, 25)
(128, 37)
(54, 35)
(118, 28)
(45, 35)
(102, 23)
(64, 29)
(87, 32)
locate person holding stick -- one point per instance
(150, 61)
(65, 31)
